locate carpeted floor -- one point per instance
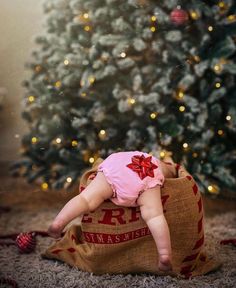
(32, 209)
(30, 270)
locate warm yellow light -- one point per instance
(91, 160)
(195, 155)
(217, 68)
(153, 18)
(86, 15)
(66, 62)
(102, 132)
(58, 84)
(123, 55)
(74, 143)
(34, 140)
(87, 28)
(210, 188)
(83, 94)
(69, 179)
(131, 101)
(185, 145)
(228, 117)
(231, 17)
(218, 85)
(181, 108)
(91, 79)
(153, 29)
(210, 28)
(31, 98)
(153, 115)
(221, 4)
(44, 186)
(58, 140)
(213, 189)
(196, 58)
(162, 154)
(220, 132)
(194, 15)
(180, 94)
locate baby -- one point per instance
(128, 179)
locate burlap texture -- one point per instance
(115, 239)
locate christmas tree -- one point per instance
(111, 75)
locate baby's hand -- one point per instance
(54, 231)
(164, 263)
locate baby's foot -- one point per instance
(164, 263)
(55, 230)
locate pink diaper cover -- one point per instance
(129, 174)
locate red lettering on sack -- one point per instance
(102, 238)
(135, 211)
(112, 213)
(86, 219)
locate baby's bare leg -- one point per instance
(152, 213)
(92, 196)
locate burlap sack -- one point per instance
(115, 239)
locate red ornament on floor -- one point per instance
(26, 242)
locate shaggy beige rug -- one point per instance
(30, 270)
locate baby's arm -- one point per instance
(94, 194)
(152, 213)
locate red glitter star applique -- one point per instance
(143, 166)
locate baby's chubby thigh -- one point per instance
(97, 191)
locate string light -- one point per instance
(74, 143)
(194, 15)
(185, 145)
(34, 140)
(91, 160)
(217, 68)
(102, 134)
(231, 18)
(122, 54)
(68, 179)
(213, 189)
(181, 108)
(220, 132)
(87, 28)
(83, 94)
(153, 29)
(31, 99)
(44, 186)
(210, 28)
(217, 84)
(228, 117)
(196, 58)
(162, 154)
(153, 115)
(66, 62)
(131, 101)
(195, 155)
(58, 84)
(91, 79)
(86, 15)
(153, 18)
(58, 140)
(180, 94)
